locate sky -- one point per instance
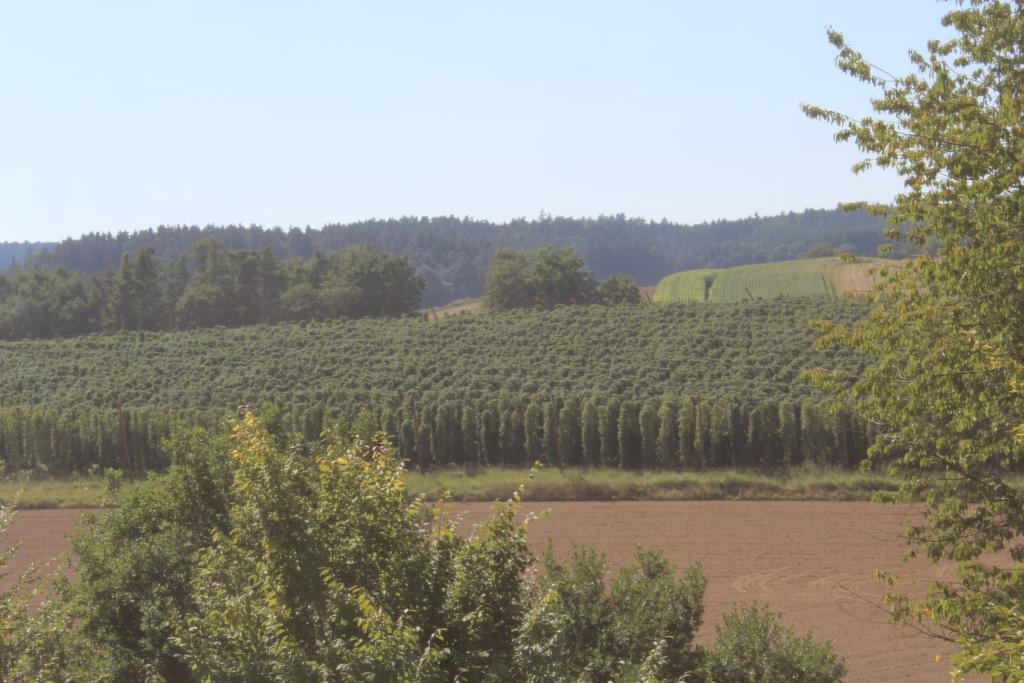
(124, 115)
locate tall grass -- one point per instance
(802, 483)
(45, 492)
(807, 482)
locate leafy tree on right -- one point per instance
(947, 332)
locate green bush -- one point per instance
(754, 647)
(577, 629)
(135, 562)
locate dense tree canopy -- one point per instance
(550, 276)
(948, 333)
(212, 286)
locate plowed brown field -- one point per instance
(811, 560)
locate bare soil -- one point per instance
(812, 561)
(456, 307)
(41, 538)
(856, 278)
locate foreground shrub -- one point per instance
(578, 630)
(330, 571)
(135, 562)
(754, 647)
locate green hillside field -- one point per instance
(815, 278)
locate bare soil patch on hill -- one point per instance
(456, 307)
(856, 278)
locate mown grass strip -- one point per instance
(49, 493)
(807, 482)
(803, 483)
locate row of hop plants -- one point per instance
(687, 434)
(74, 441)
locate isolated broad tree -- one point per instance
(507, 285)
(560, 276)
(550, 276)
(947, 333)
(618, 289)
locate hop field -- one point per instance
(632, 352)
(532, 378)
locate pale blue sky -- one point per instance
(125, 115)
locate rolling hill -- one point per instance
(454, 254)
(816, 278)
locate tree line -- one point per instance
(688, 433)
(454, 254)
(209, 286)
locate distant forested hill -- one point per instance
(454, 254)
(14, 253)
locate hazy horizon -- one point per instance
(286, 228)
(117, 116)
